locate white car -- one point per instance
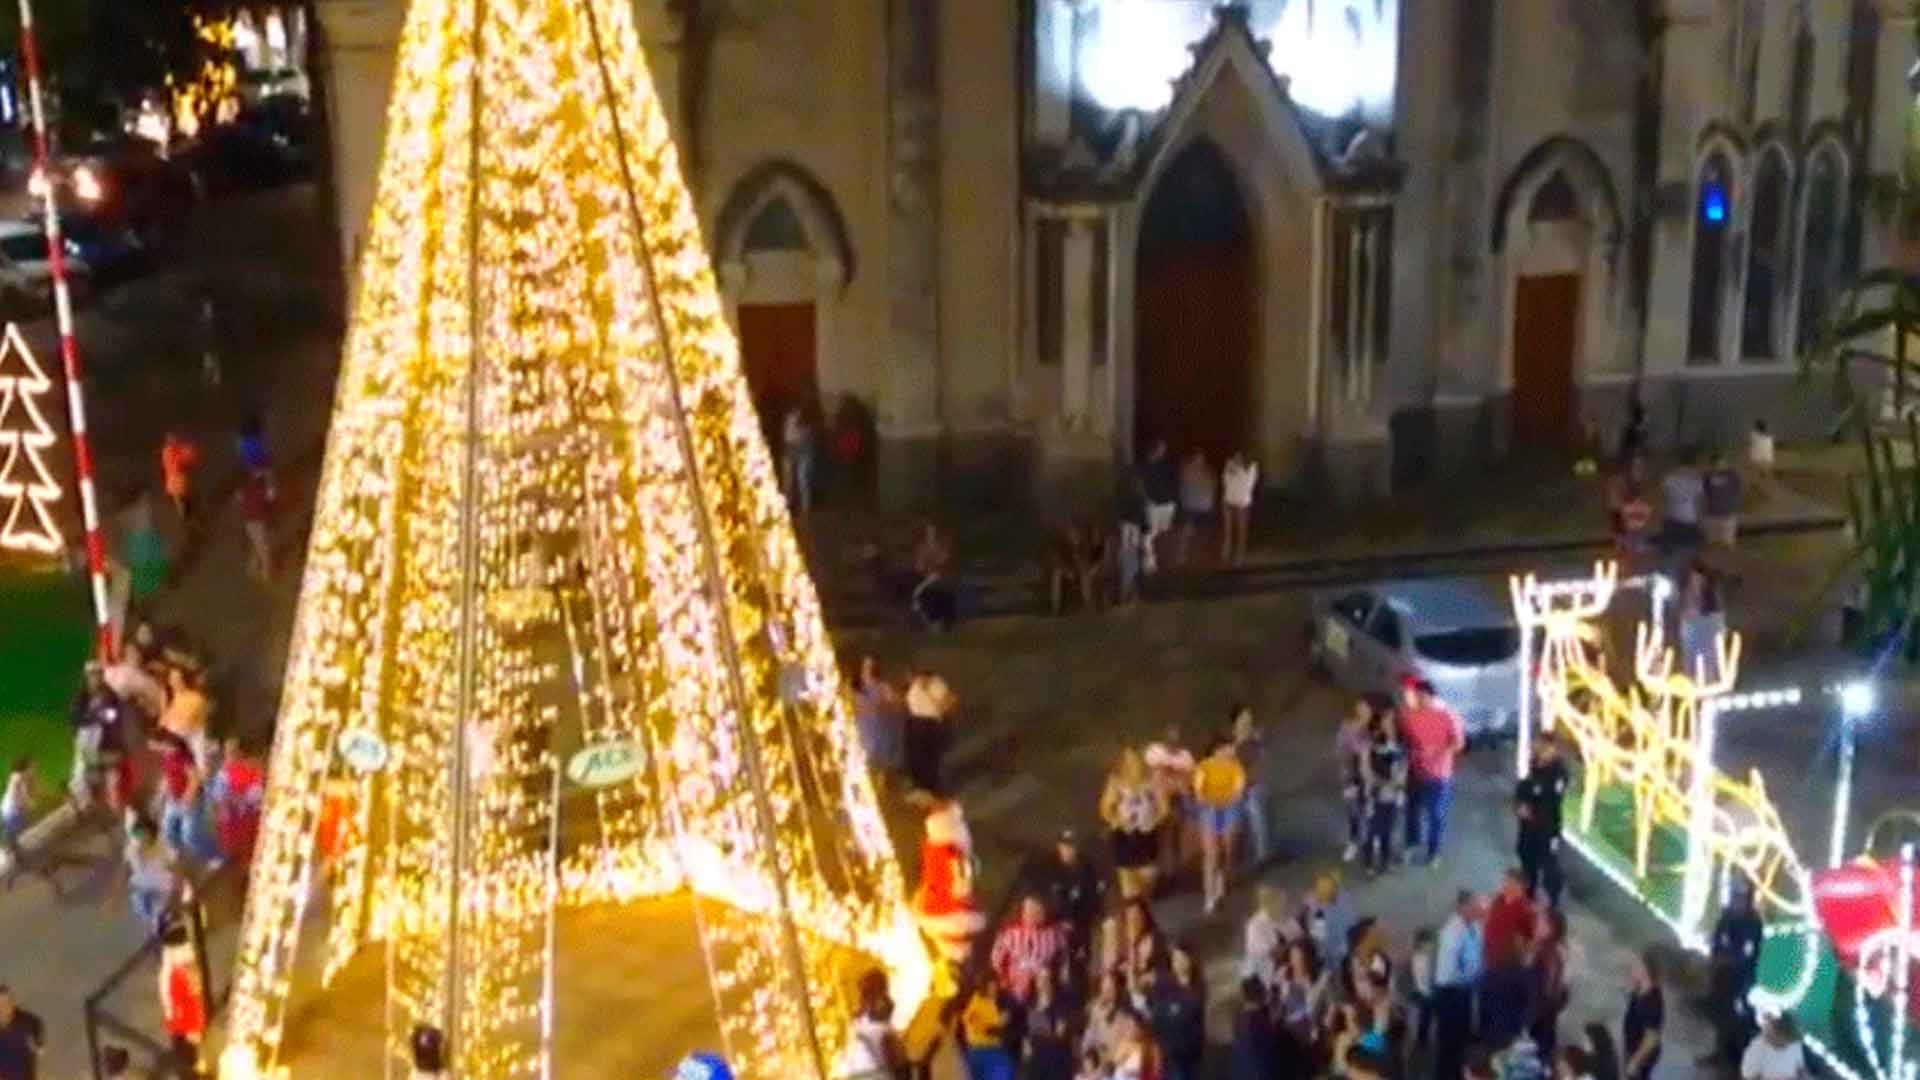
(26, 274)
(1454, 633)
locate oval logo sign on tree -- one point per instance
(605, 764)
(364, 751)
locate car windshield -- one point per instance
(1480, 645)
(24, 247)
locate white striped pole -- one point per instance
(69, 346)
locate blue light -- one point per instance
(1713, 203)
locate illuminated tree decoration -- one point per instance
(27, 492)
(547, 520)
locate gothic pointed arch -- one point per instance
(1770, 247)
(781, 195)
(1821, 230)
(1579, 168)
(1717, 191)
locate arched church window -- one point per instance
(1769, 242)
(776, 228)
(1712, 222)
(1819, 239)
(1555, 201)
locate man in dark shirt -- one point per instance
(1073, 891)
(1159, 483)
(1536, 802)
(1734, 964)
(22, 1036)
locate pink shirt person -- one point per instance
(1433, 734)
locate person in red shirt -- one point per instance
(183, 1002)
(1511, 920)
(179, 457)
(181, 788)
(239, 791)
(1434, 738)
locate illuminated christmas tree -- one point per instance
(548, 520)
(27, 492)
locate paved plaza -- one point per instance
(1047, 702)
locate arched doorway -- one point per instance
(1194, 310)
(777, 341)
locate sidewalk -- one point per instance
(1519, 510)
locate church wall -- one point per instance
(979, 235)
(771, 95)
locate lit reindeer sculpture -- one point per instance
(1655, 739)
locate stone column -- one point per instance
(910, 411)
(1687, 73)
(1076, 321)
(361, 39)
(1890, 129)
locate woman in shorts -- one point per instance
(1134, 810)
(1219, 781)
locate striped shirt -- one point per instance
(1021, 952)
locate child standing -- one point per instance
(16, 805)
(1386, 784)
(1420, 992)
(1350, 746)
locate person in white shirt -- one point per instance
(874, 1050)
(1171, 765)
(1456, 974)
(1760, 455)
(130, 681)
(1685, 491)
(1269, 929)
(1775, 1053)
(16, 808)
(796, 459)
(1238, 477)
(1197, 494)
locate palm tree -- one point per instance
(1865, 345)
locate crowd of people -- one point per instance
(1170, 508)
(1081, 982)
(182, 791)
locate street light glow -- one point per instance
(1857, 699)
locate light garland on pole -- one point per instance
(69, 343)
(27, 492)
(539, 375)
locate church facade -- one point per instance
(1375, 243)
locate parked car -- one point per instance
(26, 273)
(259, 84)
(267, 146)
(123, 182)
(1456, 634)
(112, 253)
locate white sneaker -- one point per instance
(1352, 853)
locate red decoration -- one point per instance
(1857, 902)
(945, 904)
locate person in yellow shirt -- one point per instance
(1219, 781)
(983, 1032)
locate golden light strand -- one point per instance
(609, 380)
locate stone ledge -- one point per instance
(43, 832)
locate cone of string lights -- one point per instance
(548, 519)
